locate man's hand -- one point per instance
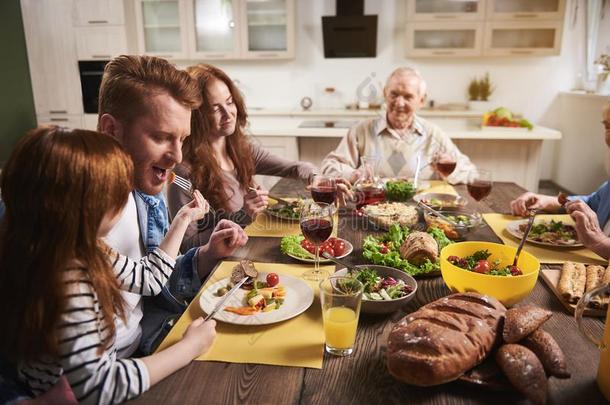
(588, 229)
(226, 237)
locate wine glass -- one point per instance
(323, 189)
(479, 184)
(444, 164)
(317, 225)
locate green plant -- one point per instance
(604, 62)
(474, 90)
(485, 88)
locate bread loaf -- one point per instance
(572, 281)
(521, 321)
(524, 371)
(419, 247)
(548, 351)
(444, 339)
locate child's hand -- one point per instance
(194, 210)
(199, 336)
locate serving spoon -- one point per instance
(438, 214)
(530, 222)
(333, 259)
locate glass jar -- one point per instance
(369, 188)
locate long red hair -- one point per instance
(206, 173)
(57, 186)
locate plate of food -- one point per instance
(385, 214)
(414, 252)
(402, 189)
(288, 212)
(441, 201)
(270, 298)
(546, 232)
(297, 247)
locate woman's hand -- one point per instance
(199, 336)
(194, 210)
(255, 202)
(530, 201)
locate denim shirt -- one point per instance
(599, 201)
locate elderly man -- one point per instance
(396, 139)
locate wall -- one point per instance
(526, 85)
(16, 103)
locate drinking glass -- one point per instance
(444, 164)
(340, 297)
(317, 225)
(369, 188)
(323, 189)
(479, 184)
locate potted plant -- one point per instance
(479, 92)
(603, 74)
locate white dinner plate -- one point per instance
(299, 297)
(513, 229)
(348, 249)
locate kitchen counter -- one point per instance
(358, 113)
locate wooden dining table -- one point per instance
(363, 378)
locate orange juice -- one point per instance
(340, 325)
(603, 373)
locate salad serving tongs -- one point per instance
(530, 222)
(435, 212)
(333, 259)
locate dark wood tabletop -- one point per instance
(363, 378)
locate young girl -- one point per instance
(59, 295)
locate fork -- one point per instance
(187, 186)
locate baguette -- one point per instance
(595, 274)
(444, 339)
(572, 281)
(524, 371)
(549, 353)
(522, 321)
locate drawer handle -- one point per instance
(97, 22)
(268, 55)
(58, 112)
(445, 17)
(526, 15)
(216, 55)
(443, 52)
(59, 119)
(521, 52)
(101, 56)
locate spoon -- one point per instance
(435, 212)
(525, 233)
(333, 259)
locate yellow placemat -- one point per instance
(439, 186)
(498, 223)
(297, 342)
(269, 226)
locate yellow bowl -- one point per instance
(507, 289)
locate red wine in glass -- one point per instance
(479, 189)
(445, 167)
(324, 194)
(370, 195)
(316, 230)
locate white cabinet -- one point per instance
(285, 147)
(525, 9)
(450, 39)
(445, 10)
(64, 120)
(161, 28)
(98, 12)
(52, 56)
(100, 43)
(523, 38)
(216, 29)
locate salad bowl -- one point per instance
(385, 306)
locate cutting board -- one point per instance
(551, 278)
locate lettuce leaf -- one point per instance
(292, 244)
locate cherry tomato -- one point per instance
(305, 244)
(332, 240)
(383, 249)
(272, 279)
(515, 271)
(328, 249)
(339, 247)
(482, 267)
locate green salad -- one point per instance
(292, 245)
(377, 288)
(384, 250)
(399, 190)
(291, 211)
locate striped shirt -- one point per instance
(97, 377)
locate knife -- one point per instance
(225, 298)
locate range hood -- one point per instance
(350, 34)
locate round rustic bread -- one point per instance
(445, 338)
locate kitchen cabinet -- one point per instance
(283, 146)
(100, 43)
(161, 28)
(98, 12)
(507, 38)
(216, 29)
(525, 9)
(451, 39)
(65, 120)
(52, 56)
(445, 10)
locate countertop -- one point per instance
(361, 113)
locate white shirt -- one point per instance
(124, 237)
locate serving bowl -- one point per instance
(507, 289)
(385, 307)
(464, 222)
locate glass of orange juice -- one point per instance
(340, 298)
(603, 372)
